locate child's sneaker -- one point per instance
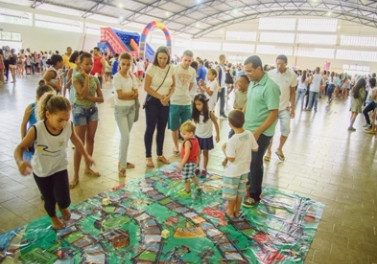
(249, 202)
(203, 174)
(197, 172)
(184, 193)
(199, 190)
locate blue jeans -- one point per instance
(330, 90)
(300, 94)
(370, 107)
(124, 116)
(156, 115)
(313, 100)
(256, 167)
(221, 95)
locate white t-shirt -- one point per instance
(301, 85)
(315, 86)
(50, 150)
(284, 81)
(239, 147)
(204, 129)
(126, 85)
(158, 74)
(183, 79)
(140, 65)
(212, 85)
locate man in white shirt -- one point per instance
(180, 101)
(315, 88)
(286, 79)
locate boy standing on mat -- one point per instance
(238, 155)
(189, 156)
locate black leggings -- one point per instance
(55, 189)
(370, 107)
(156, 116)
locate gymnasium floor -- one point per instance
(323, 161)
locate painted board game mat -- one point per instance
(150, 220)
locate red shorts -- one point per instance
(140, 73)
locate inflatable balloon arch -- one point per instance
(144, 34)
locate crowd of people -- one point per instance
(183, 95)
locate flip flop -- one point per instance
(267, 158)
(280, 156)
(73, 183)
(130, 165)
(91, 172)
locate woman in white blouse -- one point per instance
(159, 84)
(125, 86)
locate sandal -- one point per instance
(163, 160)
(122, 172)
(280, 155)
(267, 157)
(150, 163)
(91, 172)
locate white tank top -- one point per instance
(203, 129)
(50, 150)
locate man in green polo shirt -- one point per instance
(262, 108)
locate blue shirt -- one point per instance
(201, 74)
(115, 67)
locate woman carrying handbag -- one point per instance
(159, 84)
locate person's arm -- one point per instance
(69, 83)
(99, 97)
(187, 147)
(213, 118)
(166, 98)
(103, 67)
(51, 75)
(122, 94)
(149, 89)
(228, 158)
(80, 148)
(23, 166)
(271, 118)
(25, 120)
(292, 98)
(82, 88)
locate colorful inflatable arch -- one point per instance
(150, 26)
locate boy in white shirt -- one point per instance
(238, 155)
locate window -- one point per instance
(358, 41)
(356, 69)
(316, 39)
(58, 23)
(273, 50)
(315, 53)
(277, 37)
(356, 55)
(277, 23)
(241, 35)
(236, 58)
(15, 17)
(202, 45)
(246, 48)
(318, 25)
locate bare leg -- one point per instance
(187, 186)
(231, 207)
(174, 134)
(267, 157)
(80, 131)
(237, 206)
(89, 144)
(205, 159)
(195, 180)
(283, 139)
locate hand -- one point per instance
(83, 73)
(89, 161)
(217, 138)
(223, 147)
(25, 168)
(292, 113)
(180, 167)
(256, 135)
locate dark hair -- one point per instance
(303, 77)
(213, 71)
(372, 82)
(54, 59)
(96, 48)
(282, 57)
(245, 77)
(161, 49)
(53, 104)
(236, 118)
(195, 113)
(85, 55)
(359, 85)
(194, 64)
(74, 56)
(255, 61)
(42, 89)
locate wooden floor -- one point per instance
(323, 161)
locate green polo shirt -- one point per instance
(262, 97)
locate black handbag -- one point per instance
(149, 97)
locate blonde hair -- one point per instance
(53, 104)
(188, 126)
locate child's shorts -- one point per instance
(234, 186)
(188, 170)
(205, 143)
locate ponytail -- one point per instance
(53, 104)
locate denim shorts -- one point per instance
(83, 115)
(285, 122)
